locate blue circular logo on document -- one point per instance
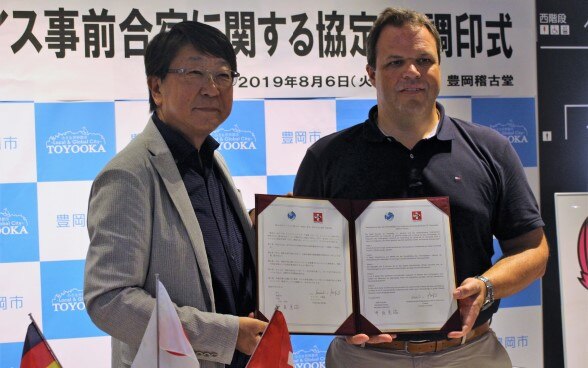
(389, 216)
(291, 215)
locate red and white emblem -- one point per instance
(317, 217)
(417, 216)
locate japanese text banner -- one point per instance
(312, 50)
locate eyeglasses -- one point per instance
(221, 79)
(415, 182)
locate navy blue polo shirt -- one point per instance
(229, 258)
(473, 165)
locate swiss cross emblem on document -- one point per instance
(417, 216)
(317, 217)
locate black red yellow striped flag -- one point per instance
(36, 352)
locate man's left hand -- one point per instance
(470, 297)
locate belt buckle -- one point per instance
(413, 342)
(406, 347)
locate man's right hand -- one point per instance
(365, 339)
(250, 331)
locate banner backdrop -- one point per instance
(562, 56)
(73, 93)
(571, 211)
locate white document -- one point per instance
(304, 265)
(395, 274)
(405, 265)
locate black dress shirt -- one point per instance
(229, 259)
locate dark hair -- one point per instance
(163, 48)
(398, 17)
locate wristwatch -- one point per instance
(489, 300)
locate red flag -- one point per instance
(36, 352)
(275, 348)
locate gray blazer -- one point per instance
(141, 223)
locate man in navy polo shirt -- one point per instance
(409, 147)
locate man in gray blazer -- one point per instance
(166, 205)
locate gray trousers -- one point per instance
(483, 352)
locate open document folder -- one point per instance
(346, 266)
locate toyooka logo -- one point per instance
(515, 133)
(82, 141)
(12, 224)
(68, 301)
(311, 358)
(235, 139)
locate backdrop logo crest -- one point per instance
(516, 133)
(12, 224)
(82, 141)
(235, 139)
(69, 301)
(311, 358)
